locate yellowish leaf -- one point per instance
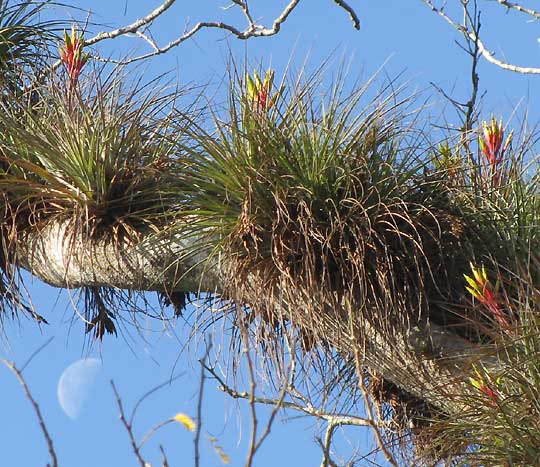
(185, 420)
(224, 458)
(219, 450)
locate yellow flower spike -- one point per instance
(508, 141)
(258, 82)
(250, 85)
(268, 79)
(72, 55)
(258, 91)
(479, 283)
(185, 420)
(473, 288)
(476, 383)
(480, 275)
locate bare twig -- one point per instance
(325, 446)
(486, 53)
(164, 461)
(333, 420)
(128, 427)
(308, 409)
(133, 27)
(350, 10)
(253, 410)
(155, 428)
(197, 438)
(28, 394)
(474, 52)
(516, 6)
(367, 402)
(369, 409)
(149, 393)
(252, 30)
(39, 349)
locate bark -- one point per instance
(65, 258)
(428, 363)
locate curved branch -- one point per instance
(133, 27)
(252, 29)
(484, 51)
(520, 8)
(350, 10)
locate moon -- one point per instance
(75, 383)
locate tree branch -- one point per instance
(484, 51)
(64, 257)
(28, 394)
(420, 361)
(352, 13)
(252, 30)
(516, 6)
(128, 427)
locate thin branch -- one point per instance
(128, 427)
(369, 409)
(486, 53)
(326, 460)
(155, 428)
(253, 410)
(520, 8)
(197, 438)
(148, 39)
(164, 461)
(252, 30)
(133, 27)
(350, 10)
(149, 393)
(244, 6)
(276, 407)
(28, 394)
(308, 409)
(39, 349)
(367, 403)
(473, 51)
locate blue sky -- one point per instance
(402, 34)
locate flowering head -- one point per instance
(485, 384)
(481, 289)
(258, 91)
(72, 55)
(491, 143)
(445, 160)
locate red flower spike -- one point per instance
(258, 91)
(481, 288)
(485, 383)
(491, 143)
(72, 54)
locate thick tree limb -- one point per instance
(420, 361)
(65, 258)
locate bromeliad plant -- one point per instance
(103, 156)
(482, 290)
(499, 424)
(72, 54)
(323, 203)
(494, 147)
(24, 40)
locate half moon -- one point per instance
(75, 383)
